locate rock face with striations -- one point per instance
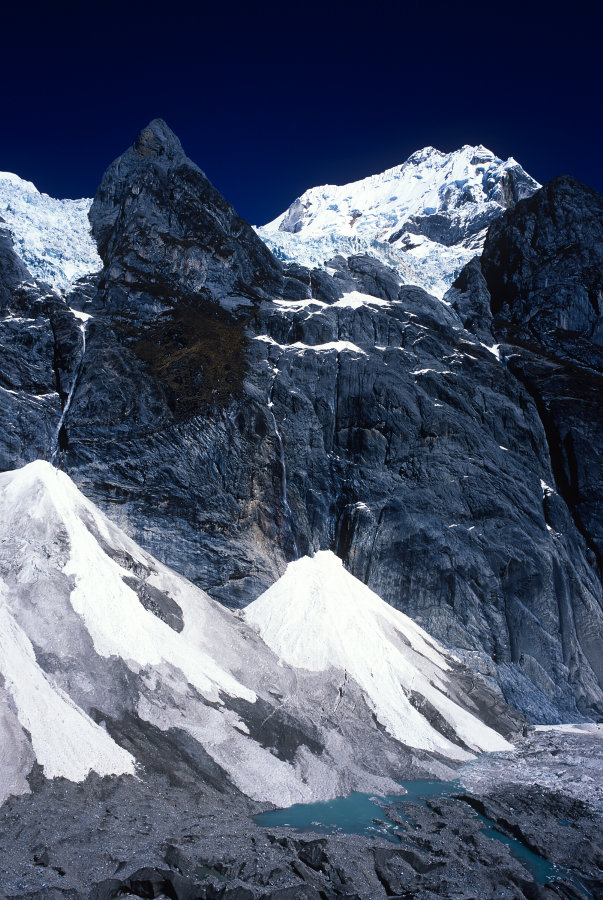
(539, 289)
(232, 413)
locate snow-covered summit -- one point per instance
(318, 616)
(426, 217)
(52, 237)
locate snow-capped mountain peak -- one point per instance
(51, 236)
(426, 217)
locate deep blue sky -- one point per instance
(270, 99)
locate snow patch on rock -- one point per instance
(330, 346)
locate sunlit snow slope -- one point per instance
(426, 217)
(318, 616)
(52, 237)
(104, 653)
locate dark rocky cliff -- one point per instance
(544, 271)
(38, 346)
(538, 291)
(231, 413)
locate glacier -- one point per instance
(51, 236)
(426, 218)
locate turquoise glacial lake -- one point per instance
(366, 814)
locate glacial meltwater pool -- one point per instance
(367, 814)
(357, 813)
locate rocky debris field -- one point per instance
(123, 837)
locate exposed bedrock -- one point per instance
(232, 413)
(539, 289)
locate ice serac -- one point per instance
(52, 237)
(111, 663)
(426, 218)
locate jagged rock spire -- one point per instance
(157, 217)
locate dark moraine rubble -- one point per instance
(155, 838)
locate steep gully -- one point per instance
(60, 439)
(285, 516)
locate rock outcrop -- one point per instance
(163, 231)
(538, 290)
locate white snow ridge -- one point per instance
(426, 218)
(96, 634)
